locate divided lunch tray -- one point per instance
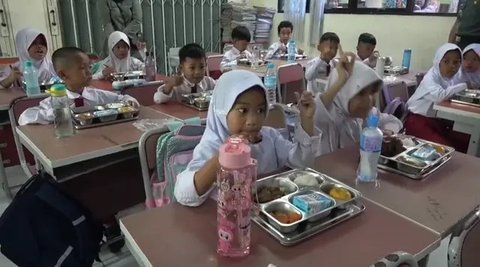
(121, 76)
(407, 165)
(199, 101)
(308, 223)
(89, 117)
(247, 62)
(469, 97)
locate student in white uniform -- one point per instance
(470, 71)
(119, 59)
(239, 107)
(366, 49)
(440, 83)
(193, 80)
(285, 31)
(31, 45)
(321, 66)
(240, 39)
(73, 67)
(349, 99)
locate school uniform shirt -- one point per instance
(368, 62)
(23, 40)
(435, 88)
(230, 58)
(274, 49)
(43, 114)
(186, 88)
(120, 65)
(472, 79)
(317, 69)
(338, 128)
(272, 153)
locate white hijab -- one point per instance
(23, 40)
(473, 78)
(120, 65)
(345, 130)
(434, 78)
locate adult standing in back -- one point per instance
(124, 16)
(466, 29)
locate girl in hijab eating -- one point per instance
(239, 107)
(31, 45)
(440, 83)
(119, 59)
(470, 71)
(349, 99)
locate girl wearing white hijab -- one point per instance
(439, 84)
(239, 107)
(119, 59)
(31, 45)
(470, 71)
(349, 99)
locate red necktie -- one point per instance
(194, 89)
(79, 102)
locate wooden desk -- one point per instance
(107, 85)
(179, 111)
(8, 95)
(466, 119)
(87, 144)
(438, 202)
(180, 236)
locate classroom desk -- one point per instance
(466, 119)
(180, 236)
(107, 85)
(110, 143)
(8, 95)
(438, 202)
(178, 110)
(262, 70)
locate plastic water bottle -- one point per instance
(370, 147)
(255, 57)
(61, 110)
(270, 81)
(292, 51)
(407, 56)
(30, 77)
(150, 67)
(236, 180)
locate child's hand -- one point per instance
(345, 66)
(107, 73)
(306, 104)
(283, 49)
(340, 50)
(171, 82)
(133, 103)
(15, 75)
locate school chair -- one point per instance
(465, 243)
(291, 79)
(17, 107)
(397, 259)
(396, 96)
(419, 78)
(144, 94)
(213, 66)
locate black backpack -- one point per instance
(44, 227)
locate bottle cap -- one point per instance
(57, 90)
(235, 153)
(28, 63)
(372, 120)
(270, 65)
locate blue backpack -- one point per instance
(44, 227)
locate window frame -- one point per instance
(355, 10)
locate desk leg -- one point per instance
(474, 140)
(3, 179)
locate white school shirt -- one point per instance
(230, 58)
(205, 85)
(434, 88)
(43, 114)
(272, 153)
(339, 130)
(317, 69)
(274, 49)
(367, 61)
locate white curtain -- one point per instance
(317, 8)
(294, 11)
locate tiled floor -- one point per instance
(124, 259)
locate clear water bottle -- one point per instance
(407, 56)
(270, 81)
(61, 110)
(30, 77)
(150, 67)
(235, 180)
(292, 51)
(370, 147)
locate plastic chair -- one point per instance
(290, 80)
(144, 94)
(213, 66)
(397, 259)
(17, 107)
(465, 243)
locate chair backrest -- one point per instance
(464, 245)
(213, 66)
(291, 79)
(419, 76)
(397, 259)
(393, 90)
(276, 117)
(144, 94)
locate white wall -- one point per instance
(423, 34)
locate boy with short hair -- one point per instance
(241, 39)
(72, 65)
(366, 49)
(285, 31)
(321, 66)
(193, 67)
